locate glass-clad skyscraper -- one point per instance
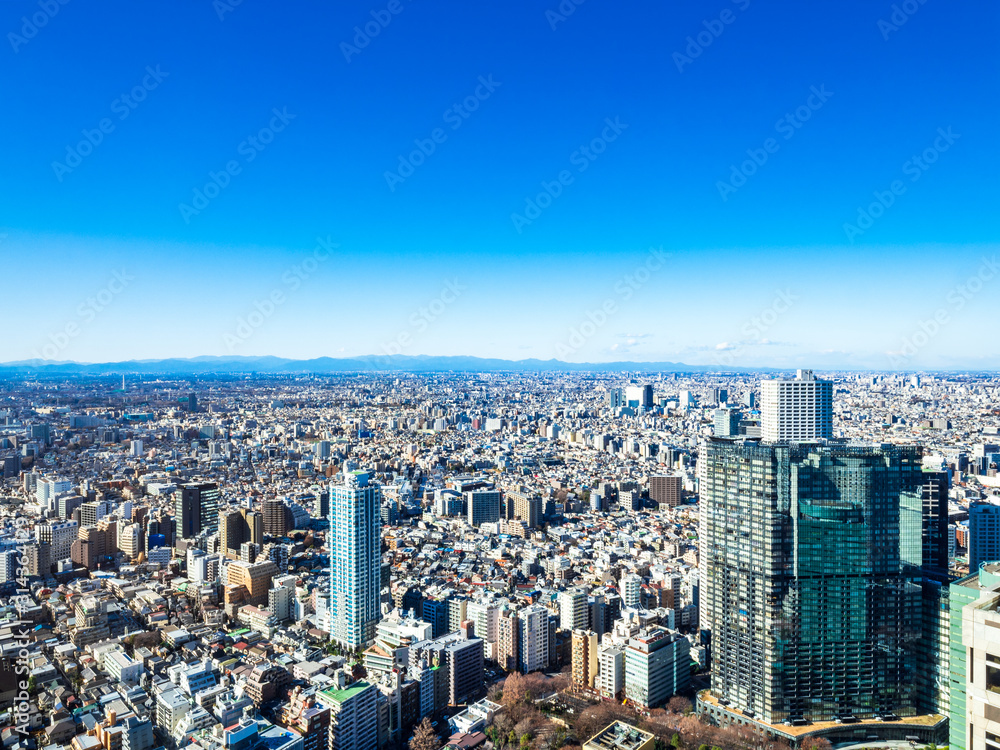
(813, 578)
(196, 509)
(355, 561)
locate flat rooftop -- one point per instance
(924, 720)
(619, 736)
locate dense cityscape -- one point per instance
(491, 560)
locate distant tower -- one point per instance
(799, 408)
(196, 509)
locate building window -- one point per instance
(993, 674)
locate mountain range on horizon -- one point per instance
(423, 363)
(328, 365)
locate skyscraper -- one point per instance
(196, 509)
(616, 398)
(799, 408)
(639, 396)
(483, 506)
(984, 534)
(355, 561)
(237, 527)
(726, 422)
(812, 570)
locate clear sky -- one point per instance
(489, 178)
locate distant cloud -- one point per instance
(725, 346)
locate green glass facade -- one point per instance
(814, 580)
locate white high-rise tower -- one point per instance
(799, 408)
(355, 561)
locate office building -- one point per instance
(976, 716)
(196, 509)
(726, 422)
(639, 396)
(94, 511)
(47, 489)
(355, 560)
(806, 551)
(796, 409)
(984, 534)
(483, 506)
(58, 537)
(657, 666)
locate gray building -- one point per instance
(483, 506)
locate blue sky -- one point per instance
(739, 139)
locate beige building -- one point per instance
(254, 577)
(585, 658)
